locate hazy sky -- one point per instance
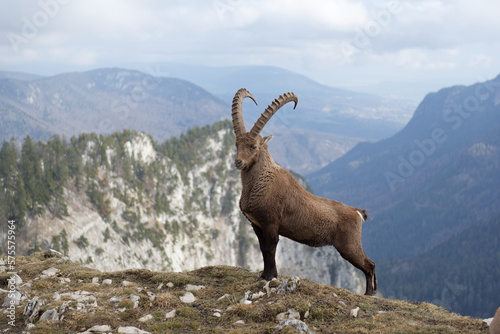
(401, 48)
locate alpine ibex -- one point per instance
(276, 204)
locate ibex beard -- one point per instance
(276, 204)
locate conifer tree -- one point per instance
(32, 176)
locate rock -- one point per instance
(53, 252)
(95, 280)
(159, 286)
(239, 323)
(50, 315)
(30, 306)
(288, 285)
(217, 315)
(135, 299)
(80, 306)
(32, 309)
(354, 312)
(258, 295)
(16, 280)
(151, 296)
(170, 285)
(99, 329)
(30, 326)
(245, 300)
(12, 298)
(342, 303)
(63, 307)
(131, 330)
(115, 299)
(191, 287)
(50, 272)
(64, 280)
(188, 298)
(290, 314)
(146, 318)
(56, 296)
(269, 290)
(127, 283)
(295, 323)
(170, 314)
(107, 281)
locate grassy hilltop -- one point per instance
(81, 298)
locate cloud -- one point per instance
(429, 35)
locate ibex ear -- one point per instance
(267, 139)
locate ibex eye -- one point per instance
(253, 147)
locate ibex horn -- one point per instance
(238, 124)
(270, 111)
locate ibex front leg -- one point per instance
(268, 240)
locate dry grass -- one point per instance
(329, 307)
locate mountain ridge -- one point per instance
(112, 99)
(325, 109)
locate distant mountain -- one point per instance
(431, 180)
(104, 101)
(18, 75)
(322, 108)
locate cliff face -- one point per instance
(170, 207)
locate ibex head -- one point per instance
(250, 144)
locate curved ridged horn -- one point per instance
(270, 111)
(238, 125)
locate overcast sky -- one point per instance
(401, 48)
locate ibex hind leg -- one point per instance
(367, 266)
(352, 251)
(267, 242)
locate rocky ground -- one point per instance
(52, 294)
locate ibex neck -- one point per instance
(264, 163)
